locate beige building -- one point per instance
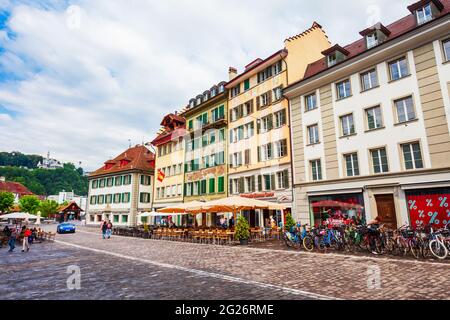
(122, 188)
(370, 125)
(259, 136)
(169, 163)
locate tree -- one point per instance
(6, 201)
(290, 222)
(242, 229)
(29, 204)
(48, 208)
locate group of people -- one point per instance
(223, 222)
(106, 227)
(12, 234)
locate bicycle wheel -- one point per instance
(308, 243)
(415, 250)
(296, 244)
(438, 249)
(391, 247)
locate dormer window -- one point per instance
(221, 88)
(192, 103)
(426, 10)
(199, 100)
(424, 14)
(213, 92)
(372, 40)
(205, 96)
(335, 54)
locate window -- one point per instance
(117, 197)
(191, 124)
(94, 184)
(246, 84)
(347, 125)
(269, 182)
(405, 110)
(127, 179)
(369, 80)
(278, 93)
(277, 68)
(93, 200)
(236, 90)
(311, 102)
(424, 14)
(343, 89)
(221, 135)
(102, 183)
(249, 129)
(264, 100)
(398, 69)
(282, 179)
(116, 218)
(316, 170)
(236, 159)
(248, 184)
(126, 197)
(331, 59)
(144, 197)
(221, 185)
(124, 219)
(146, 180)
(374, 119)
(313, 134)
(203, 187)
(180, 190)
(280, 148)
(379, 160)
(280, 118)
(372, 40)
(218, 113)
(248, 108)
(412, 156)
(100, 199)
(118, 181)
(265, 74)
(265, 152)
(266, 124)
(351, 163)
(446, 47)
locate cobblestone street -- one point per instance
(129, 268)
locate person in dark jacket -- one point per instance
(104, 228)
(12, 240)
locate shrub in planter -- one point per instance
(290, 222)
(242, 230)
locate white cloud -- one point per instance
(88, 80)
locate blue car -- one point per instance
(65, 228)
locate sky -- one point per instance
(84, 78)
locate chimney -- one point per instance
(232, 73)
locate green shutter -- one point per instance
(222, 112)
(212, 185)
(247, 84)
(221, 187)
(191, 124)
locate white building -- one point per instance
(49, 163)
(122, 188)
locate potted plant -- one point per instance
(290, 223)
(242, 230)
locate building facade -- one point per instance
(259, 135)
(122, 188)
(370, 124)
(169, 163)
(205, 176)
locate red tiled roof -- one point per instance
(72, 205)
(140, 159)
(396, 29)
(169, 135)
(15, 187)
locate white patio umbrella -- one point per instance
(18, 216)
(182, 208)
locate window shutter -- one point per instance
(269, 98)
(231, 115)
(258, 126)
(231, 161)
(286, 179)
(247, 156)
(259, 154)
(230, 186)
(259, 182)
(258, 102)
(272, 181)
(212, 184)
(251, 106)
(240, 111)
(270, 122)
(241, 185)
(269, 151)
(284, 147)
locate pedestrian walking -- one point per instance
(109, 227)
(104, 228)
(26, 234)
(12, 239)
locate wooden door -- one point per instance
(386, 210)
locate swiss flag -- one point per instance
(161, 175)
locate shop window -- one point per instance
(335, 209)
(428, 207)
(412, 156)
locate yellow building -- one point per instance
(169, 164)
(206, 148)
(259, 134)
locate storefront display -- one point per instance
(337, 207)
(429, 206)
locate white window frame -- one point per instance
(404, 106)
(375, 117)
(424, 14)
(347, 93)
(316, 168)
(410, 146)
(311, 99)
(380, 164)
(313, 138)
(349, 122)
(354, 160)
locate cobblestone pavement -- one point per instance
(116, 266)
